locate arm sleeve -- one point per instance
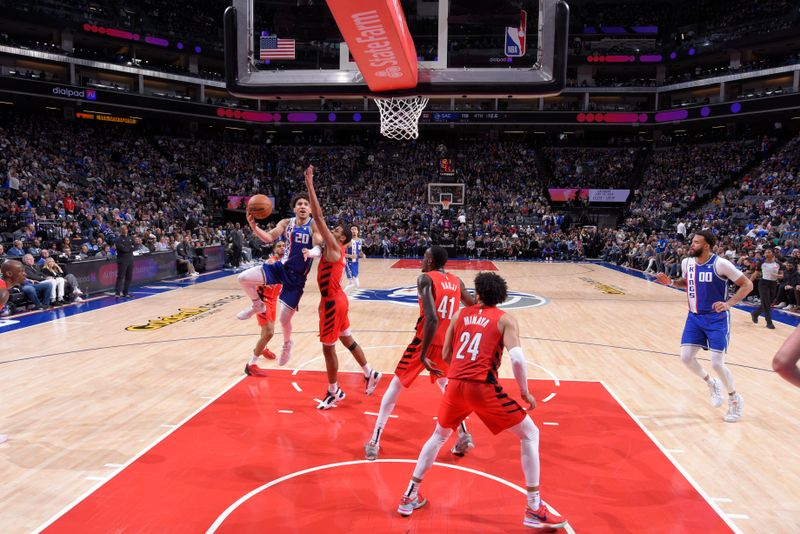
(726, 269)
(684, 267)
(519, 368)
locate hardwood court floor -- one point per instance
(82, 395)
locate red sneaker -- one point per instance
(268, 354)
(542, 518)
(254, 370)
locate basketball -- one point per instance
(259, 206)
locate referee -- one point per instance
(767, 273)
(124, 245)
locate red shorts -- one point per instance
(496, 409)
(269, 296)
(333, 318)
(410, 365)
(269, 315)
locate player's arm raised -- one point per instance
(267, 236)
(466, 297)
(510, 330)
(332, 252)
(425, 291)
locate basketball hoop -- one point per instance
(446, 204)
(400, 116)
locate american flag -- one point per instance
(274, 48)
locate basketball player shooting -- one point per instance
(440, 294)
(333, 305)
(480, 332)
(298, 232)
(708, 325)
(266, 320)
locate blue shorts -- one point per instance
(293, 283)
(707, 331)
(352, 269)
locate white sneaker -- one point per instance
(286, 353)
(331, 399)
(195, 274)
(463, 445)
(408, 505)
(781, 306)
(715, 389)
(735, 409)
(372, 381)
(257, 307)
(371, 450)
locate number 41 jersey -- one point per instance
(477, 345)
(447, 299)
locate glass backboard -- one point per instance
(464, 47)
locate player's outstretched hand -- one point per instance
(527, 397)
(432, 369)
(251, 220)
(309, 175)
(662, 278)
(721, 306)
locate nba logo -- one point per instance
(91, 94)
(515, 37)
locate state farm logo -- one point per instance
(88, 94)
(376, 45)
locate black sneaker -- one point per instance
(331, 399)
(127, 296)
(771, 326)
(754, 317)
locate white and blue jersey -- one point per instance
(352, 264)
(706, 284)
(293, 269)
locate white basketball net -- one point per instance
(400, 116)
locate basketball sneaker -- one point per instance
(735, 408)
(268, 354)
(331, 400)
(542, 518)
(372, 381)
(463, 445)
(715, 389)
(257, 307)
(286, 353)
(252, 369)
(371, 450)
(408, 505)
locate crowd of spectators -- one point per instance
(591, 167)
(68, 188)
(678, 176)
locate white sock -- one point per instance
(534, 500)
(367, 370)
(253, 359)
(413, 489)
(430, 450)
(388, 403)
(528, 436)
(689, 359)
(333, 388)
(286, 322)
(718, 363)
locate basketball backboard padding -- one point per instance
(546, 77)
